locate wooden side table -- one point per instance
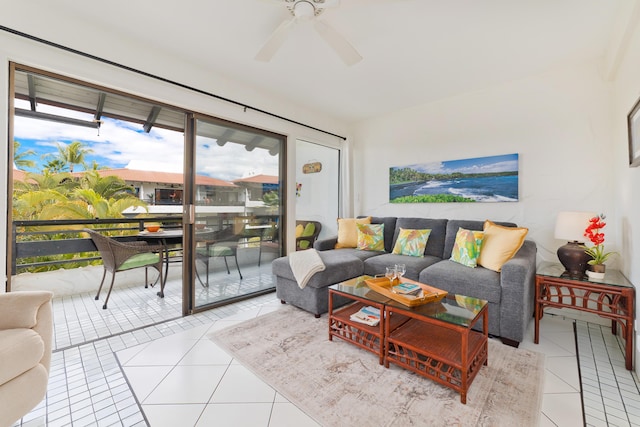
(611, 298)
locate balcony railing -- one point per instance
(44, 244)
(47, 245)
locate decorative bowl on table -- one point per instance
(152, 228)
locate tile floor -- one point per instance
(154, 375)
(611, 394)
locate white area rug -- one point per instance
(339, 384)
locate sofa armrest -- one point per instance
(517, 280)
(325, 244)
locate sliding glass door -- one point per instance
(88, 156)
(237, 198)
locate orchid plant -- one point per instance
(595, 234)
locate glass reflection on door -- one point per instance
(238, 199)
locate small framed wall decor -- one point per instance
(633, 128)
(312, 167)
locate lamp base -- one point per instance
(574, 259)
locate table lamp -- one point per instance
(571, 226)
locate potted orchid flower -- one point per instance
(598, 255)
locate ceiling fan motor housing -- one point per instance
(306, 9)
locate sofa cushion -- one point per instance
(466, 248)
(20, 350)
(452, 228)
(435, 244)
(414, 265)
(457, 279)
(360, 254)
(389, 230)
(411, 242)
(340, 265)
(371, 237)
(348, 233)
(500, 244)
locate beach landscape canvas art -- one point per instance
(480, 179)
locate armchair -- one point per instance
(26, 329)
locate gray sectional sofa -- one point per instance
(510, 293)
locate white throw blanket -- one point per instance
(304, 264)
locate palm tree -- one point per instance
(109, 186)
(62, 196)
(47, 180)
(72, 154)
(85, 203)
(30, 204)
(55, 166)
(95, 166)
(20, 158)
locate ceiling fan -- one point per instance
(309, 10)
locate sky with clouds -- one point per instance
(120, 144)
(502, 163)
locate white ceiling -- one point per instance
(415, 51)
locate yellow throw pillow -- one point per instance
(299, 230)
(348, 232)
(500, 244)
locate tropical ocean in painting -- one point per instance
(480, 189)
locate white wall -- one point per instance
(627, 190)
(21, 50)
(318, 199)
(557, 122)
(569, 127)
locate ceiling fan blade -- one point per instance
(330, 3)
(276, 40)
(339, 44)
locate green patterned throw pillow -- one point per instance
(370, 237)
(411, 242)
(308, 231)
(466, 248)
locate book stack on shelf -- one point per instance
(408, 290)
(368, 315)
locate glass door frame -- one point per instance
(189, 208)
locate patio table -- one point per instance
(168, 239)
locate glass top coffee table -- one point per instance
(435, 340)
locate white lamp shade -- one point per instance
(570, 226)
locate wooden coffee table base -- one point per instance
(370, 338)
(435, 340)
(447, 354)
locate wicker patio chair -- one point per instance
(120, 256)
(221, 244)
(309, 232)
